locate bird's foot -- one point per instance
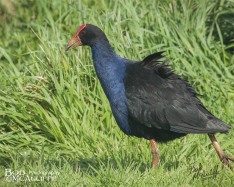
(226, 161)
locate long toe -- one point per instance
(226, 161)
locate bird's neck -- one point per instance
(110, 68)
(102, 52)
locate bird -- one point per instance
(147, 98)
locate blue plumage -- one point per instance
(110, 69)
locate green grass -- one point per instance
(55, 117)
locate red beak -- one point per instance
(74, 42)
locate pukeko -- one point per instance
(147, 98)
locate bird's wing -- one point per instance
(157, 97)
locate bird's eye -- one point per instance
(83, 32)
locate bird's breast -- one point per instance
(115, 93)
(110, 71)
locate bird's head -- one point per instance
(86, 34)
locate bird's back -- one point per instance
(158, 99)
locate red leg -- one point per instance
(155, 153)
(224, 158)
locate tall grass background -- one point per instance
(54, 115)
